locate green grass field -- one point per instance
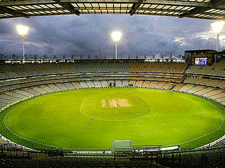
(153, 117)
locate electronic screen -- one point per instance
(200, 61)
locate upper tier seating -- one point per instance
(217, 69)
(28, 80)
(158, 67)
(32, 69)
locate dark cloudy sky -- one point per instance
(87, 34)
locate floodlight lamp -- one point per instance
(217, 27)
(116, 36)
(22, 30)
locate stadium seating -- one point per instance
(217, 69)
(156, 75)
(83, 85)
(97, 84)
(158, 67)
(76, 85)
(205, 81)
(21, 81)
(104, 84)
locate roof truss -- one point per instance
(202, 9)
(135, 7)
(68, 6)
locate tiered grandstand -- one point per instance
(19, 81)
(217, 69)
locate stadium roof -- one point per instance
(200, 51)
(203, 9)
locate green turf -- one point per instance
(64, 119)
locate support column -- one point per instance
(116, 50)
(23, 49)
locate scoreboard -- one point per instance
(200, 61)
(200, 57)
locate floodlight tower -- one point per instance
(217, 28)
(22, 32)
(116, 37)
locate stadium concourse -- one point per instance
(19, 81)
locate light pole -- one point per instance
(22, 31)
(217, 28)
(116, 37)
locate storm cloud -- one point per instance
(91, 35)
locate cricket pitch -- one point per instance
(114, 103)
